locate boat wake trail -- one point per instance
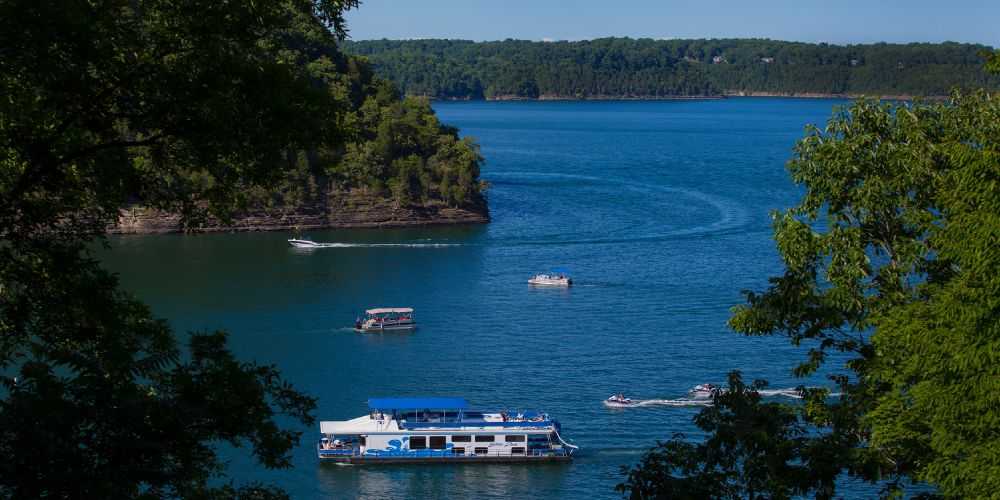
(380, 245)
(790, 392)
(679, 403)
(674, 402)
(787, 393)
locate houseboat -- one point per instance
(441, 430)
(386, 319)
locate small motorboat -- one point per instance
(619, 401)
(703, 391)
(304, 243)
(386, 319)
(552, 278)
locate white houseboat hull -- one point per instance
(441, 430)
(447, 459)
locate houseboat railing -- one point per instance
(403, 424)
(375, 454)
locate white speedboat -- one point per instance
(550, 279)
(703, 391)
(442, 430)
(386, 319)
(619, 401)
(304, 243)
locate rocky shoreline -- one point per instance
(557, 97)
(819, 95)
(336, 211)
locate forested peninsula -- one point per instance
(385, 159)
(626, 68)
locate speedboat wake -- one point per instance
(620, 401)
(700, 395)
(308, 244)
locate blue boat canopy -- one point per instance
(418, 404)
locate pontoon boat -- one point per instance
(550, 279)
(386, 319)
(421, 430)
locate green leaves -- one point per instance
(992, 61)
(939, 352)
(400, 142)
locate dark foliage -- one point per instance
(183, 106)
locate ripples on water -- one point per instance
(659, 210)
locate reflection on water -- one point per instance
(436, 481)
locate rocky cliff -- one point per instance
(340, 210)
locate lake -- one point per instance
(660, 211)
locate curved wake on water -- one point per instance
(731, 217)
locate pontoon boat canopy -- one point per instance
(387, 310)
(418, 404)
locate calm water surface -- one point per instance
(660, 211)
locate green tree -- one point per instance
(399, 143)
(992, 61)
(891, 264)
(185, 107)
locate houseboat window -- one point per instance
(482, 451)
(516, 438)
(458, 451)
(484, 439)
(517, 450)
(362, 441)
(418, 443)
(461, 439)
(438, 442)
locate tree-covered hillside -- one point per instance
(386, 144)
(625, 67)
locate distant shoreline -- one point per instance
(727, 95)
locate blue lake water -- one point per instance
(660, 210)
